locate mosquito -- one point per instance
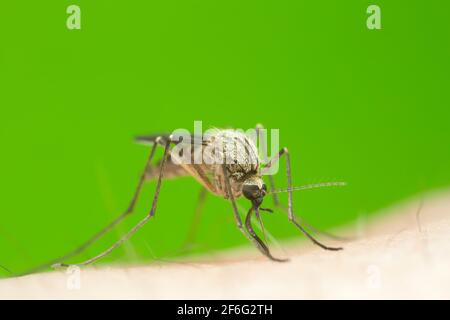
(242, 177)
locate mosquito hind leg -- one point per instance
(192, 233)
(140, 223)
(111, 225)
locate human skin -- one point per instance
(400, 254)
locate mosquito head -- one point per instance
(254, 190)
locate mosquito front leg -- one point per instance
(252, 237)
(142, 222)
(291, 216)
(257, 240)
(278, 204)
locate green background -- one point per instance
(370, 107)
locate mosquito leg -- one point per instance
(278, 204)
(190, 239)
(111, 225)
(275, 198)
(253, 238)
(142, 222)
(257, 241)
(291, 216)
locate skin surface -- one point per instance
(401, 254)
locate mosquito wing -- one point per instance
(203, 174)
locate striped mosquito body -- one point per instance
(226, 163)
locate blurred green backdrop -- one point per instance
(370, 107)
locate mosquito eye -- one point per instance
(250, 191)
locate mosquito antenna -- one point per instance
(310, 186)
